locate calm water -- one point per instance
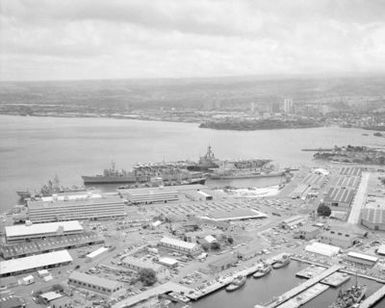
(259, 291)
(33, 150)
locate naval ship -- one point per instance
(170, 173)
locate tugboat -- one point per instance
(285, 260)
(351, 297)
(237, 283)
(263, 271)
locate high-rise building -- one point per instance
(288, 106)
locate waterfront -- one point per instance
(259, 291)
(33, 150)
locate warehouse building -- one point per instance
(361, 259)
(136, 265)
(149, 195)
(101, 208)
(340, 236)
(348, 181)
(31, 263)
(96, 284)
(341, 197)
(373, 214)
(292, 222)
(323, 249)
(180, 246)
(23, 249)
(223, 263)
(351, 171)
(27, 232)
(307, 232)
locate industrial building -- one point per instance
(95, 284)
(323, 249)
(292, 222)
(351, 171)
(347, 181)
(307, 232)
(20, 233)
(180, 246)
(89, 208)
(31, 263)
(235, 214)
(341, 197)
(136, 264)
(373, 214)
(360, 258)
(340, 236)
(149, 195)
(23, 249)
(223, 263)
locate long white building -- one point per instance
(180, 246)
(89, 208)
(31, 263)
(18, 233)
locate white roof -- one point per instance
(156, 223)
(97, 252)
(358, 255)
(36, 261)
(50, 296)
(142, 263)
(323, 249)
(168, 261)
(44, 228)
(381, 250)
(176, 242)
(29, 277)
(210, 239)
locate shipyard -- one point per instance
(158, 237)
(192, 154)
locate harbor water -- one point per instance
(277, 282)
(34, 149)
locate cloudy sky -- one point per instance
(98, 39)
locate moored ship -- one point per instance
(262, 271)
(52, 187)
(237, 283)
(169, 173)
(285, 260)
(350, 298)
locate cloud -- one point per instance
(48, 39)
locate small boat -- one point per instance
(237, 283)
(263, 271)
(285, 260)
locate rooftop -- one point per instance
(94, 280)
(141, 263)
(74, 203)
(43, 228)
(36, 261)
(359, 255)
(236, 214)
(177, 242)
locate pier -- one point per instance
(374, 298)
(301, 288)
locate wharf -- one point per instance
(310, 271)
(374, 298)
(158, 290)
(302, 287)
(305, 296)
(336, 279)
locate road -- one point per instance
(359, 199)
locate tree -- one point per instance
(147, 276)
(215, 246)
(230, 240)
(205, 246)
(324, 210)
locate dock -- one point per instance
(305, 296)
(374, 298)
(310, 271)
(336, 279)
(301, 288)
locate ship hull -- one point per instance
(244, 176)
(108, 180)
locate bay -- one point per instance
(34, 149)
